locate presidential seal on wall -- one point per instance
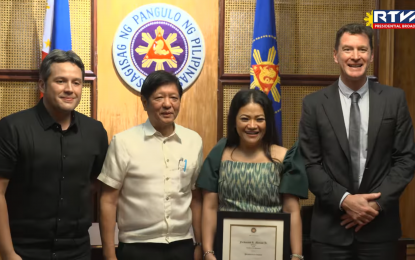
(158, 37)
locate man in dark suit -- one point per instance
(357, 140)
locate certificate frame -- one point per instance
(227, 219)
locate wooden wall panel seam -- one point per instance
(33, 75)
(94, 58)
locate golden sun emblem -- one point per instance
(159, 50)
(265, 74)
(369, 19)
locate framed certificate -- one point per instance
(252, 236)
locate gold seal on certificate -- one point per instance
(252, 236)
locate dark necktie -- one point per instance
(354, 138)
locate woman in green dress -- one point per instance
(249, 171)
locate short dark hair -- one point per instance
(241, 99)
(59, 56)
(157, 79)
(354, 28)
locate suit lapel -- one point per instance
(334, 112)
(376, 109)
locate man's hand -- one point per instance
(358, 208)
(349, 222)
(198, 255)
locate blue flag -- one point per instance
(264, 70)
(61, 36)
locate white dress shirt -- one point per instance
(345, 100)
(155, 175)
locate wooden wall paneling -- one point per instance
(403, 77)
(221, 31)
(94, 57)
(410, 255)
(33, 75)
(94, 98)
(300, 51)
(292, 80)
(120, 107)
(221, 83)
(20, 75)
(386, 48)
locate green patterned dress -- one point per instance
(249, 187)
(253, 187)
